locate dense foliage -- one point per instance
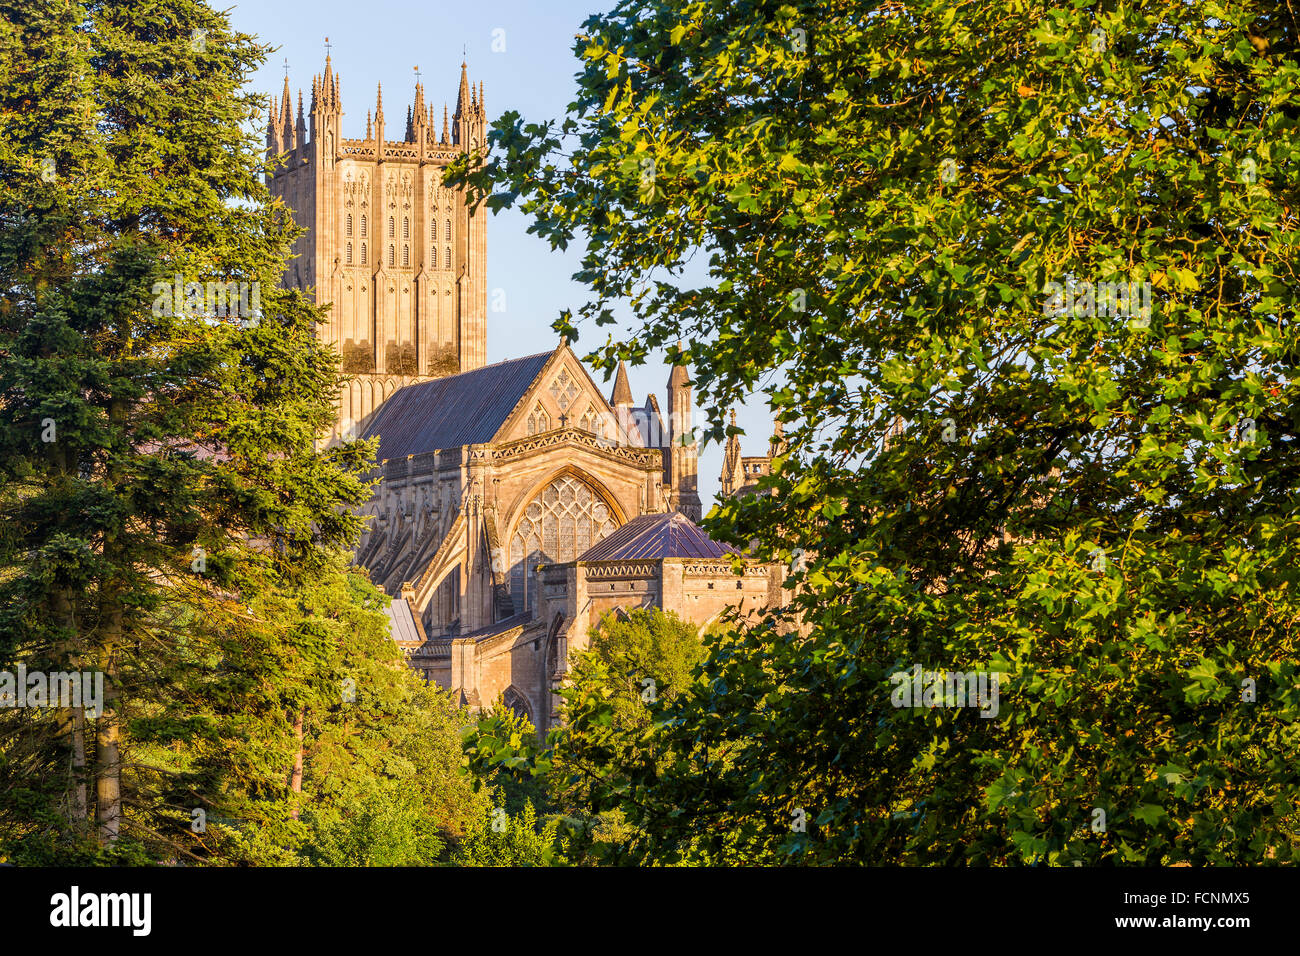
(168, 518)
(905, 222)
(635, 666)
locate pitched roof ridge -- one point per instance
(481, 368)
(452, 411)
(665, 534)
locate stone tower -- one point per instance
(399, 255)
(684, 450)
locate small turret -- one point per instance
(684, 451)
(621, 397)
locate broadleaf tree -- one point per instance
(1019, 280)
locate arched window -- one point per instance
(349, 253)
(446, 259)
(363, 250)
(539, 421)
(406, 257)
(363, 227)
(592, 422)
(406, 227)
(349, 224)
(392, 254)
(562, 522)
(517, 703)
(392, 227)
(447, 231)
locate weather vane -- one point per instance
(286, 67)
(417, 72)
(328, 47)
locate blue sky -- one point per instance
(382, 42)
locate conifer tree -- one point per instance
(168, 518)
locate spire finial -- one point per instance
(463, 95)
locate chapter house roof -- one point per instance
(464, 409)
(671, 535)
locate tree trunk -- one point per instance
(80, 806)
(295, 776)
(108, 771)
(74, 726)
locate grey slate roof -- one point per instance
(671, 535)
(402, 622)
(464, 409)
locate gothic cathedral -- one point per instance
(517, 504)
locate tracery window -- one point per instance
(516, 702)
(592, 421)
(349, 253)
(564, 390)
(349, 224)
(562, 522)
(539, 421)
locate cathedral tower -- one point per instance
(400, 256)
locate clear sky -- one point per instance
(531, 70)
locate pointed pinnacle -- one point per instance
(622, 394)
(462, 97)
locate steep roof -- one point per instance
(671, 535)
(464, 409)
(402, 624)
(622, 394)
